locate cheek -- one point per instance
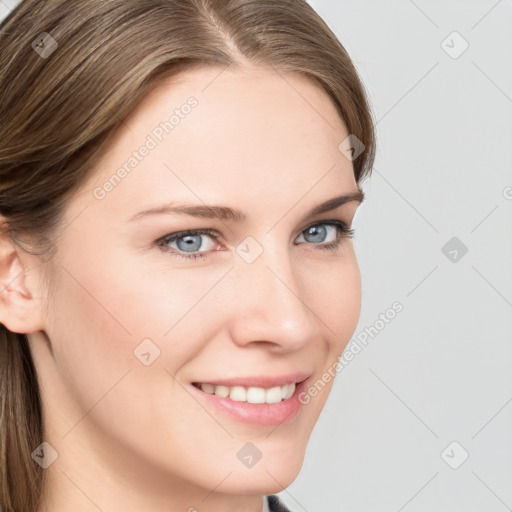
(91, 339)
(107, 389)
(106, 316)
(337, 299)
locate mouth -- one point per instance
(261, 402)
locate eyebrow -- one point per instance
(232, 214)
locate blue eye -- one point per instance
(188, 242)
(316, 231)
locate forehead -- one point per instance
(250, 129)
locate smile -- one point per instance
(263, 401)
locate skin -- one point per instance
(130, 436)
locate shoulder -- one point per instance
(275, 505)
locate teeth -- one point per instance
(253, 395)
(238, 394)
(208, 388)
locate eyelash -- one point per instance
(344, 232)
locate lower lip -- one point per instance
(265, 415)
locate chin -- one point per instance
(265, 481)
(269, 475)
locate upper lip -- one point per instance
(263, 381)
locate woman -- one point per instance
(178, 180)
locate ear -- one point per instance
(20, 296)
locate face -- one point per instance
(137, 317)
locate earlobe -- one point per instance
(20, 307)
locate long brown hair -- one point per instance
(70, 72)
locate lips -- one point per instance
(257, 413)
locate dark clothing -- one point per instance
(274, 505)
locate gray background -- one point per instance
(440, 371)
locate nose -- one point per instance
(269, 303)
